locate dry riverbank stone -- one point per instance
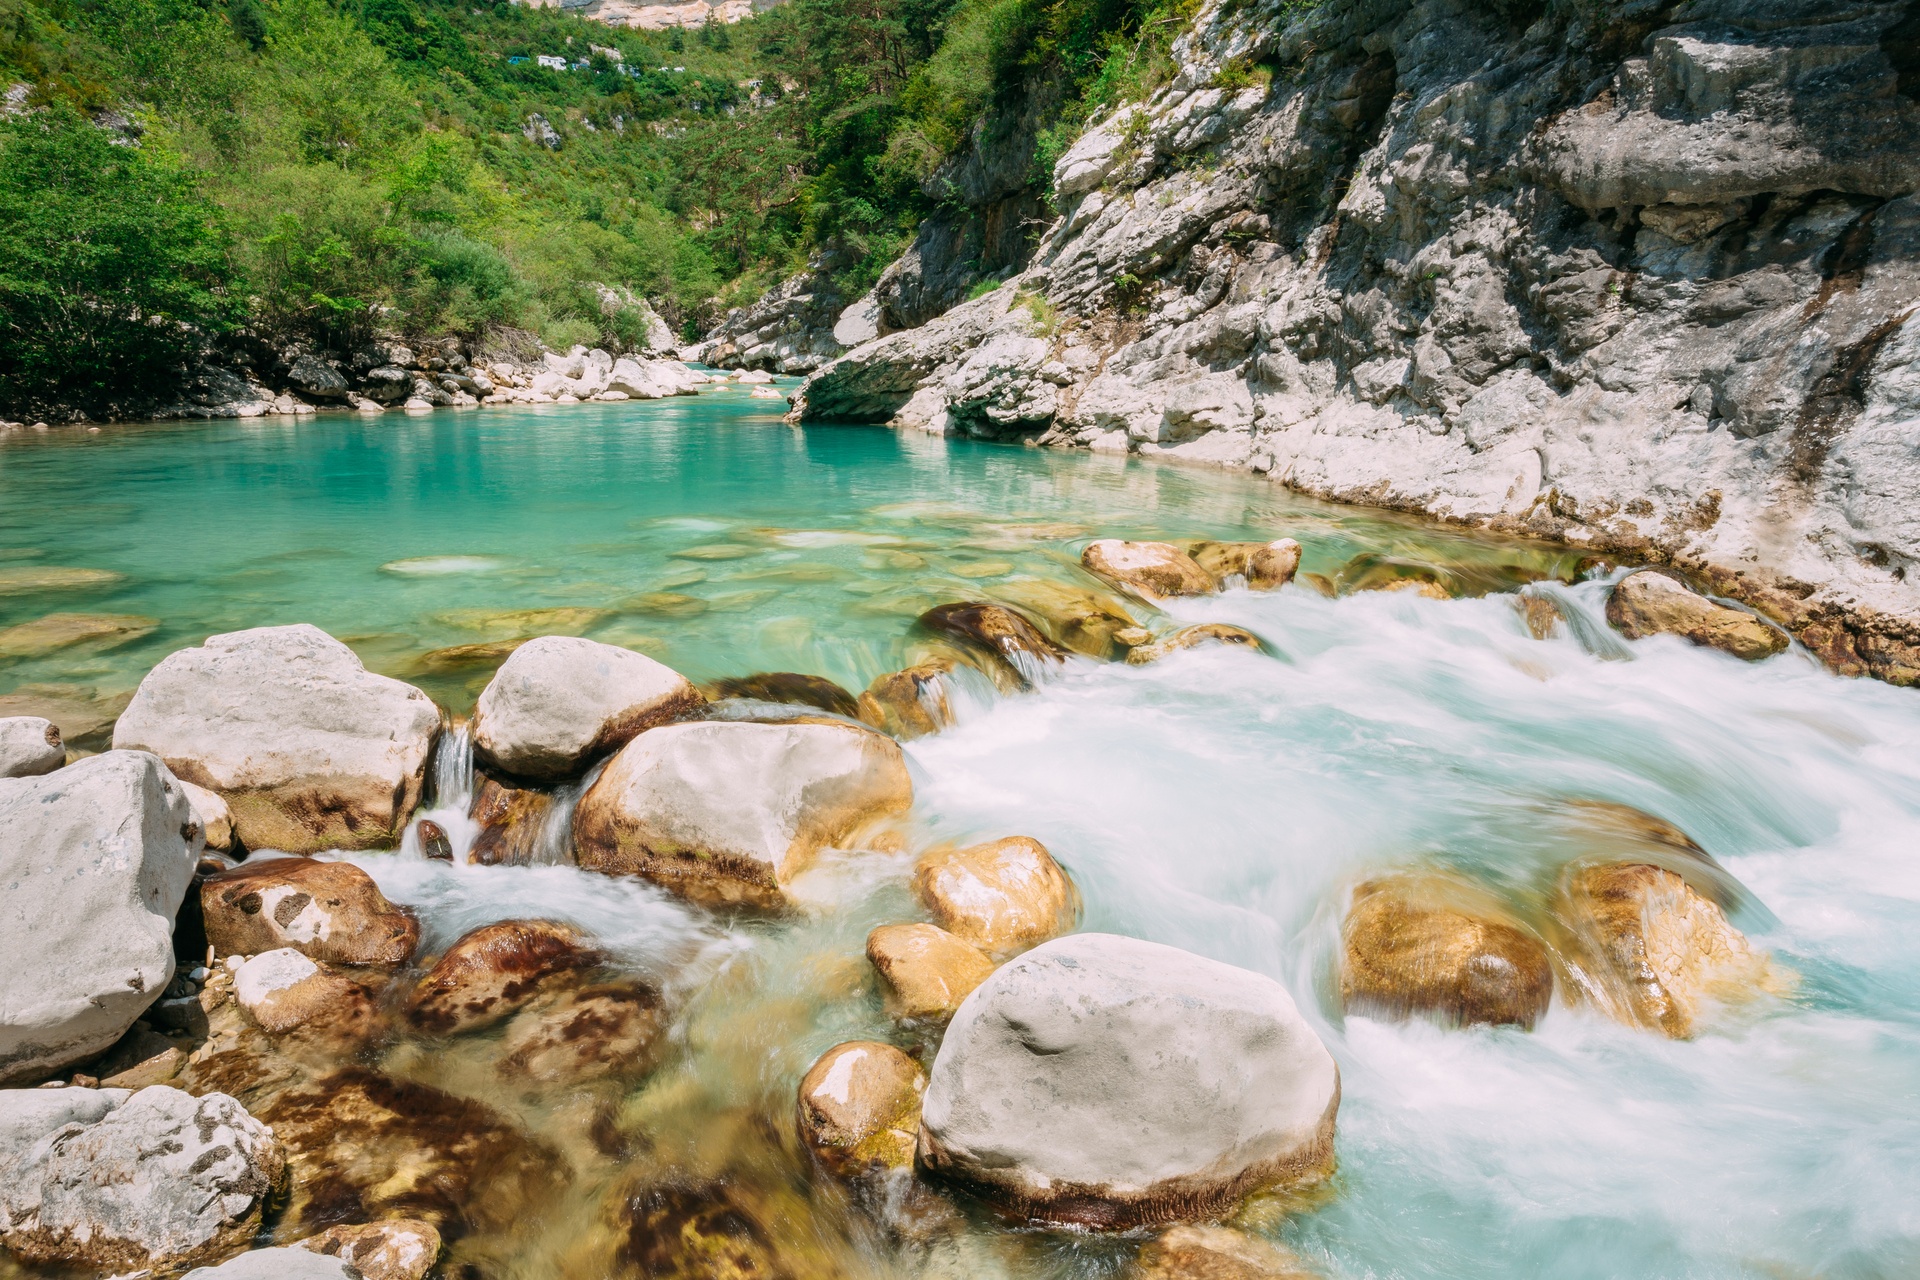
(1427, 945)
(926, 972)
(560, 702)
(1651, 603)
(331, 911)
(1002, 896)
(860, 1107)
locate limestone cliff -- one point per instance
(1638, 275)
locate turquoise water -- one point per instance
(1220, 800)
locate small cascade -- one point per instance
(554, 846)
(449, 798)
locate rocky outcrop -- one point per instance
(108, 1181)
(728, 812)
(331, 911)
(1002, 896)
(860, 1107)
(96, 859)
(309, 749)
(29, 747)
(1650, 603)
(1429, 945)
(559, 703)
(790, 328)
(494, 971)
(1105, 1082)
(1644, 279)
(925, 971)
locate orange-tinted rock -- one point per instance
(926, 971)
(1429, 945)
(611, 1029)
(790, 687)
(496, 970)
(910, 703)
(397, 1249)
(331, 911)
(859, 1107)
(1153, 570)
(1215, 1253)
(1261, 565)
(511, 820)
(1002, 896)
(997, 630)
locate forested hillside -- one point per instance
(175, 170)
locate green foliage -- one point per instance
(113, 269)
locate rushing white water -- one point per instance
(1223, 801)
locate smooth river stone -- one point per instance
(1105, 1082)
(309, 749)
(1651, 603)
(728, 812)
(397, 1249)
(927, 971)
(1196, 636)
(1428, 945)
(1002, 896)
(1152, 570)
(25, 581)
(29, 747)
(96, 859)
(560, 702)
(494, 971)
(998, 631)
(860, 1107)
(331, 911)
(1086, 622)
(1262, 565)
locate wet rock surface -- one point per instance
(1199, 635)
(999, 632)
(859, 1107)
(910, 703)
(1262, 566)
(512, 824)
(1002, 896)
(1215, 1253)
(1650, 603)
(331, 911)
(398, 1249)
(560, 702)
(925, 971)
(1429, 945)
(610, 1029)
(309, 749)
(1150, 570)
(494, 970)
(790, 687)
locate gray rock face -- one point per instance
(309, 749)
(789, 330)
(95, 860)
(560, 702)
(1642, 279)
(112, 1180)
(315, 378)
(29, 747)
(1107, 1082)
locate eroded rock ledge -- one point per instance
(1640, 277)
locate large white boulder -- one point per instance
(653, 379)
(110, 1180)
(729, 811)
(1106, 1082)
(29, 747)
(309, 749)
(560, 702)
(94, 859)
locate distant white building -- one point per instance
(548, 60)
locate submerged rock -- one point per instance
(1652, 951)
(612, 1029)
(1152, 570)
(1428, 944)
(30, 746)
(703, 1230)
(397, 1249)
(1215, 1253)
(95, 859)
(860, 1108)
(790, 687)
(999, 631)
(728, 812)
(59, 631)
(1002, 896)
(111, 1181)
(85, 716)
(911, 703)
(511, 822)
(1651, 603)
(492, 971)
(310, 749)
(561, 702)
(331, 911)
(1263, 566)
(1086, 622)
(1196, 636)
(925, 970)
(1540, 613)
(1104, 1082)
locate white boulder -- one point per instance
(110, 1180)
(309, 749)
(95, 859)
(729, 811)
(560, 702)
(29, 747)
(1105, 1082)
(653, 379)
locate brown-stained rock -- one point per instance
(792, 688)
(1652, 603)
(331, 911)
(461, 658)
(1262, 565)
(434, 843)
(286, 993)
(1215, 1253)
(1540, 614)
(859, 1108)
(1002, 896)
(999, 631)
(511, 820)
(926, 972)
(142, 1057)
(1429, 944)
(1650, 950)
(1087, 622)
(1193, 637)
(610, 1029)
(495, 970)
(910, 703)
(1151, 570)
(397, 1249)
(708, 1231)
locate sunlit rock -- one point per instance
(285, 993)
(910, 703)
(397, 1249)
(728, 812)
(29, 747)
(309, 749)
(213, 815)
(611, 1029)
(331, 911)
(1215, 1253)
(925, 971)
(1430, 945)
(108, 1181)
(1193, 637)
(95, 859)
(790, 687)
(1106, 1082)
(860, 1107)
(1261, 565)
(1002, 896)
(492, 971)
(1151, 570)
(511, 821)
(999, 631)
(561, 702)
(1652, 951)
(1087, 622)
(1651, 603)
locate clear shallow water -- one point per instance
(1220, 801)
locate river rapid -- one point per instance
(1219, 800)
